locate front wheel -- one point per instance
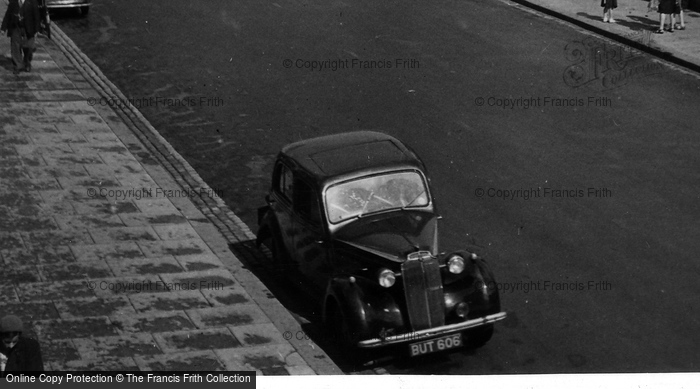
(83, 11)
(479, 336)
(342, 328)
(347, 339)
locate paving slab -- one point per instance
(175, 300)
(193, 361)
(130, 267)
(121, 346)
(197, 340)
(236, 314)
(154, 322)
(94, 364)
(114, 307)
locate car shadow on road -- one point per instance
(279, 279)
(284, 284)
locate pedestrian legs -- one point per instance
(681, 26)
(608, 15)
(28, 51)
(16, 49)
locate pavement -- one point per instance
(634, 26)
(113, 251)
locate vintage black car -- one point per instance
(353, 213)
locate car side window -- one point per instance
(306, 202)
(285, 182)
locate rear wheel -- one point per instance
(479, 336)
(83, 11)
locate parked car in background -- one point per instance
(353, 215)
(82, 6)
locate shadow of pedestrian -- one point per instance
(596, 18)
(7, 64)
(637, 23)
(648, 22)
(637, 26)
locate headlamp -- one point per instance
(387, 278)
(455, 264)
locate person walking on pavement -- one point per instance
(17, 353)
(667, 7)
(22, 22)
(608, 6)
(652, 6)
(680, 4)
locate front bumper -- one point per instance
(431, 332)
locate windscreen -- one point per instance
(376, 193)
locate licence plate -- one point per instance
(435, 345)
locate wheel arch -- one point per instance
(345, 295)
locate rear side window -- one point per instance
(306, 202)
(285, 182)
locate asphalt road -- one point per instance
(596, 152)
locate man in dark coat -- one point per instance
(17, 353)
(22, 22)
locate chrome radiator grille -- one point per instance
(423, 288)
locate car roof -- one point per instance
(351, 152)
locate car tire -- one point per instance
(83, 11)
(341, 328)
(479, 336)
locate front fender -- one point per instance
(369, 308)
(474, 286)
(491, 299)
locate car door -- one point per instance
(310, 245)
